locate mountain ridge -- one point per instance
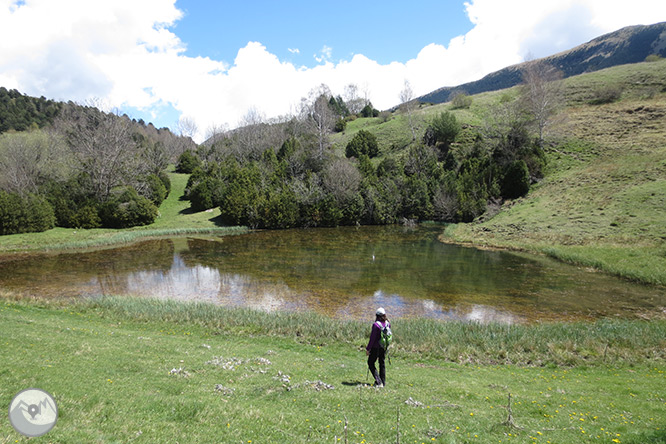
(631, 44)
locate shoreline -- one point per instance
(604, 261)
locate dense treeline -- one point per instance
(19, 112)
(88, 169)
(83, 169)
(450, 176)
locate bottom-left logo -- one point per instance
(33, 412)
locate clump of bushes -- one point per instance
(187, 162)
(24, 214)
(460, 100)
(126, 208)
(363, 143)
(606, 94)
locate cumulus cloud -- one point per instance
(128, 54)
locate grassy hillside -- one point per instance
(157, 371)
(174, 219)
(627, 45)
(603, 201)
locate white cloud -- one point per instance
(125, 52)
(294, 50)
(324, 55)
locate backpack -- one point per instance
(386, 336)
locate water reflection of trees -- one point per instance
(81, 273)
(343, 272)
(341, 267)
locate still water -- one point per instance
(342, 272)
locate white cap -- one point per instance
(380, 311)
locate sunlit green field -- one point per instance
(166, 372)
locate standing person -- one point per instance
(375, 351)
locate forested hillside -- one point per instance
(19, 112)
(67, 165)
(321, 168)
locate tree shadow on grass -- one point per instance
(354, 383)
(217, 220)
(187, 210)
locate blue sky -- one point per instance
(385, 32)
(212, 62)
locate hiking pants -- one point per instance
(377, 353)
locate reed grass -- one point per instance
(581, 343)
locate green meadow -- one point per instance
(126, 370)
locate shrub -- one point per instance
(86, 217)
(164, 177)
(516, 181)
(10, 211)
(445, 128)
(369, 111)
(472, 189)
(363, 143)
(206, 194)
(653, 58)
(461, 101)
(416, 199)
(187, 162)
(340, 125)
(156, 191)
(606, 94)
(128, 209)
(69, 199)
(389, 167)
(27, 214)
(279, 209)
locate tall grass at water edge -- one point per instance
(600, 342)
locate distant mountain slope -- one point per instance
(628, 45)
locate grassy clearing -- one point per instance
(175, 220)
(154, 372)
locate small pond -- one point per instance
(342, 272)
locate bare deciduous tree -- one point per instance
(406, 99)
(102, 146)
(355, 103)
(319, 115)
(28, 158)
(541, 94)
(342, 179)
(187, 127)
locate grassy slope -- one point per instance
(174, 219)
(603, 201)
(109, 367)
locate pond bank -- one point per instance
(645, 264)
